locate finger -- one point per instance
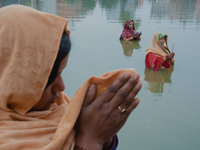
(126, 93)
(90, 95)
(111, 91)
(127, 102)
(133, 105)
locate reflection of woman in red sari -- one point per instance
(157, 79)
(157, 54)
(129, 33)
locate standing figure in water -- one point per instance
(158, 54)
(129, 33)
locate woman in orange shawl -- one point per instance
(158, 54)
(34, 112)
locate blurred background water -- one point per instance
(168, 116)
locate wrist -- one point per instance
(113, 143)
(108, 144)
(79, 148)
(85, 143)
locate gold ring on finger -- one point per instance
(122, 110)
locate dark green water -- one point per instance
(168, 116)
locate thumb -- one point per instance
(90, 95)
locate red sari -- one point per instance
(155, 62)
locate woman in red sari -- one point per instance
(157, 54)
(129, 33)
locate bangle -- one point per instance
(132, 37)
(79, 148)
(164, 59)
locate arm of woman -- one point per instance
(101, 119)
(168, 61)
(167, 64)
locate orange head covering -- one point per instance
(29, 43)
(156, 47)
(28, 39)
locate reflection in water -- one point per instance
(129, 46)
(128, 11)
(118, 10)
(184, 11)
(160, 9)
(156, 79)
(122, 10)
(32, 3)
(108, 5)
(74, 9)
(197, 11)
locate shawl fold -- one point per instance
(156, 47)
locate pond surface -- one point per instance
(168, 116)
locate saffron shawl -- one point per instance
(126, 31)
(156, 47)
(29, 43)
